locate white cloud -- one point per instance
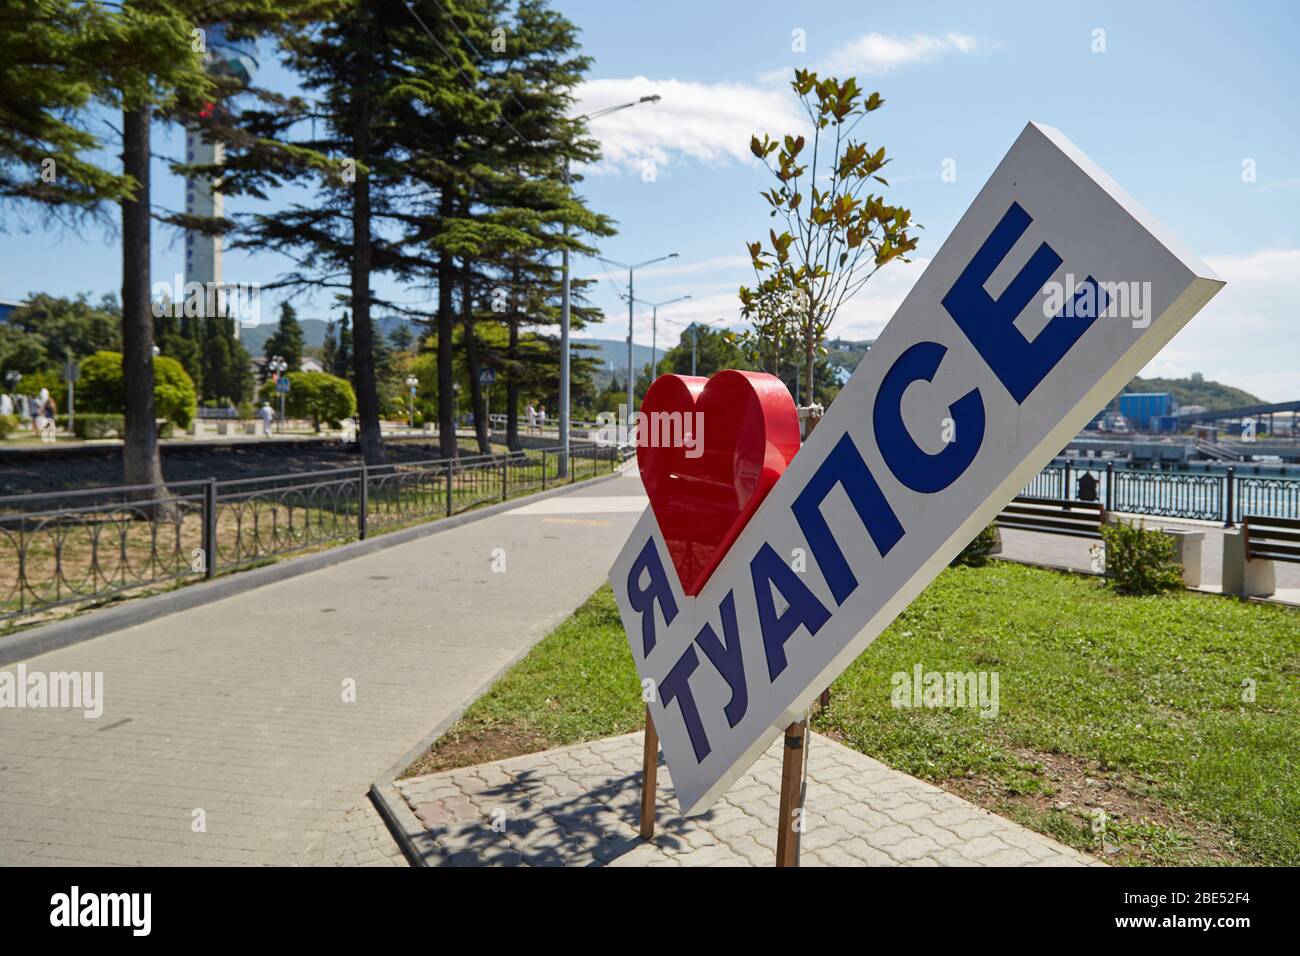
(709, 122)
(1247, 335)
(877, 53)
(713, 122)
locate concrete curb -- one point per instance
(58, 634)
(412, 835)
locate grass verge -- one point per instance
(1154, 730)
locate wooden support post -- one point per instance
(787, 837)
(825, 699)
(649, 775)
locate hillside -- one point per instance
(611, 356)
(1196, 391)
(313, 331)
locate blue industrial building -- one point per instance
(1143, 409)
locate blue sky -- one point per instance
(1183, 95)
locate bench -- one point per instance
(1077, 519)
(1273, 539)
(1249, 554)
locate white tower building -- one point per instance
(237, 58)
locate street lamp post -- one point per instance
(565, 299)
(412, 383)
(654, 330)
(631, 302)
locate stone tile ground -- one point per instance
(358, 838)
(236, 707)
(580, 806)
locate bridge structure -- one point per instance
(1264, 409)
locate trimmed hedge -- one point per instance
(91, 425)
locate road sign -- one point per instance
(71, 371)
(487, 376)
(1053, 291)
(282, 384)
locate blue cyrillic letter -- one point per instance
(767, 569)
(912, 466)
(676, 686)
(989, 324)
(658, 588)
(727, 659)
(844, 467)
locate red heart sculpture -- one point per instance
(746, 429)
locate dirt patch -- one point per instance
(1140, 829)
(458, 749)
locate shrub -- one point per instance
(89, 425)
(100, 388)
(976, 554)
(8, 424)
(1140, 561)
(319, 396)
(33, 382)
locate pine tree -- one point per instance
(48, 75)
(142, 58)
(286, 340)
(502, 205)
(343, 357)
(401, 338)
(358, 68)
(329, 348)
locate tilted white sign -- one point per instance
(1054, 289)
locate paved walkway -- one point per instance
(227, 735)
(580, 806)
(1074, 553)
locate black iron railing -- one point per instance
(80, 546)
(1204, 496)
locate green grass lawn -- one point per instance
(1136, 706)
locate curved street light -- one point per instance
(565, 300)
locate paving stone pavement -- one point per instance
(1074, 554)
(580, 806)
(237, 708)
(358, 838)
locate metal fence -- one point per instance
(1202, 496)
(75, 546)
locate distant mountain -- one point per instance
(845, 354)
(612, 355)
(1196, 391)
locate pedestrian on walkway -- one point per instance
(40, 405)
(531, 412)
(541, 419)
(267, 416)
